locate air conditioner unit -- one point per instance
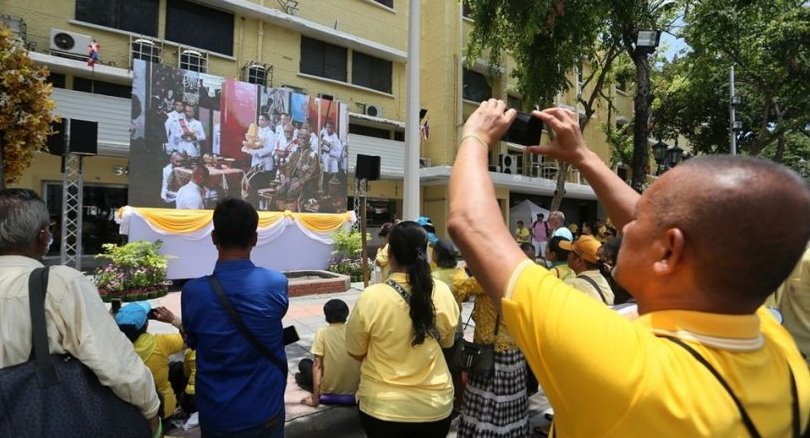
(425, 162)
(511, 164)
(72, 43)
(372, 110)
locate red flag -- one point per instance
(92, 53)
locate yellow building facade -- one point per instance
(240, 38)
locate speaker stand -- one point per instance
(362, 192)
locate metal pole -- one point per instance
(410, 194)
(363, 196)
(732, 114)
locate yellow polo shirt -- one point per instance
(341, 373)
(154, 350)
(382, 261)
(522, 235)
(609, 376)
(794, 303)
(398, 381)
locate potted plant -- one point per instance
(133, 272)
(347, 258)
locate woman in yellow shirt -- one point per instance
(498, 405)
(397, 330)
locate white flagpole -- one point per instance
(410, 199)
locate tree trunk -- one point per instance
(641, 104)
(2, 166)
(780, 145)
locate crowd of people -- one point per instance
(699, 355)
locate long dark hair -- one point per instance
(408, 244)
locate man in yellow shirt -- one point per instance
(522, 234)
(703, 359)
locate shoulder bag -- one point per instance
(240, 324)
(55, 394)
(595, 286)
(476, 359)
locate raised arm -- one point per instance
(618, 198)
(475, 223)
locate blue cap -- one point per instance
(425, 223)
(134, 314)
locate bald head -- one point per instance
(746, 221)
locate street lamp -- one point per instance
(674, 155)
(647, 40)
(660, 154)
(665, 156)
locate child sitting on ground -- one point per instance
(333, 376)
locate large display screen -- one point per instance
(197, 138)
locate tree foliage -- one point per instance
(25, 108)
(550, 38)
(766, 42)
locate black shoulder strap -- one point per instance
(595, 286)
(37, 288)
(749, 424)
(397, 287)
(240, 324)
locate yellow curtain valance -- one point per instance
(191, 221)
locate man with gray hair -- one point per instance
(556, 222)
(77, 321)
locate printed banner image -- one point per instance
(197, 138)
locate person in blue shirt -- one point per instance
(240, 391)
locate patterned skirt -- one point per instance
(497, 406)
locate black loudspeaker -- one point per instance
(367, 167)
(83, 137)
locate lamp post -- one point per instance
(666, 157)
(660, 154)
(646, 43)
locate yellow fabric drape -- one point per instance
(321, 222)
(177, 221)
(188, 221)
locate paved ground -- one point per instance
(306, 313)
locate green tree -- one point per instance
(25, 108)
(766, 42)
(549, 38)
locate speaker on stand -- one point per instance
(367, 168)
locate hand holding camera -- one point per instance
(161, 314)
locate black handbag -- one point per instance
(476, 359)
(56, 395)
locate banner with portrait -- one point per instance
(197, 138)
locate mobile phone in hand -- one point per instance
(525, 130)
(290, 335)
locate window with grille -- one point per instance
(371, 72)
(475, 86)
(145, 50)
(256, 74)
(193, 60)
(323, 59)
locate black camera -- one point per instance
(525, 130)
